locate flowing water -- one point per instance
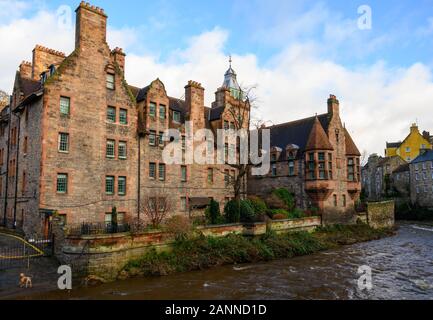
(402, 268)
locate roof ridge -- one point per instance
(296, 121)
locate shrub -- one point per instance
(232, 212)
(284, 195)
(247, 212)
(279, 216)
(213, 214)
(296, 214)
(179, 226)
(274, 202)
(259, 205)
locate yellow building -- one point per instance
(410, 148)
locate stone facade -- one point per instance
(421, 180)
(316, 160)
(78, 140)
(378, 179)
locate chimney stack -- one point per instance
(91, 27)
(333, 105)
(119, 58)
(26, 70)
(43, 58)
(194, 99)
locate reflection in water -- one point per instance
(402, 269)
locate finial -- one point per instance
(230, 60)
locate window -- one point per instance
(330, 166)
(226, 125)
(65, 106)
(407, 149)
(63, 142)
(152, 109)
(416, 167)
(62, 183)
(344, 201)
(110, 81)
(273, 157)
(152, 138)
(210, 175)
(121, 186)
(425, 189)
(311, 167)
(226, 151)
(183, 142)
(123, 147)
(417, 190)
(110, 151)
(25, 147)
(424, 166)
(322, 166)
(176, 116)
(423, 146)
(424, 175)
(184, 173)
(232, 126)
(161, 172)
(123, 116)
(109, 218)
(350, 169)
(109, 185)
(161, 139)
(162, 111)
(23, 186)
(416, 176)
(183, 204)
(291, 168)
(274, 170)
(335, 201)
(111, 114)
(152, 170)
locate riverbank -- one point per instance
(207, 252)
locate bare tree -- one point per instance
(4, 99)
(156, 206)
(239, 112)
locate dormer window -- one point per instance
(176, 116)
(43, 77)
(273, 157)
(52, 69)
(110, 81)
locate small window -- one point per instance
(226, 125)
(161, 139)
(161, 171)
(152, 170)
(176, 116)
(110, 81)
(65, 106)
(25, 148)
(152, 138)
(210, 175)
(121, 186)
(274, 170)
(321, 156)
(183, 142)
(109, 185)
(123, 147)
(183, 173)
(62, 183)
(110, 152)
(111, 114)
(63, 142)
(291, 168)
(123, 116)
(344, 201)
(408, 149)
(227, 177)
(152, 109)
(162, 112)
(335, 201)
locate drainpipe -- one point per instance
(139, 178)
(7, 170)
(16, 170)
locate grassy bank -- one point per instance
(205, 252)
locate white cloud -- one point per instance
(378, 102)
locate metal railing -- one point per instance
(97, 229)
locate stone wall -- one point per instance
(381, 214)
(105, 256)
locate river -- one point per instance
(402, 268)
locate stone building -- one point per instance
(377, 176)
(315, 159)
(78, 140)
(400, 181)
(421, 179)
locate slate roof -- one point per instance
(393, 144)
(351, 148)
(215, 113)
(29, 86)
(426, 156)
(295, 132)
(402, 168)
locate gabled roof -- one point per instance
(351, 148)
(392, 145)
(318, 140)
(29, 86)
(296, 132)
(426, 156)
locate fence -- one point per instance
(87, 229)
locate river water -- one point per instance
(402, 268)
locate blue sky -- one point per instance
(295, 53)
(168, 24)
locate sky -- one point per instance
(376, 56)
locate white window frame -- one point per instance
(61, 142)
